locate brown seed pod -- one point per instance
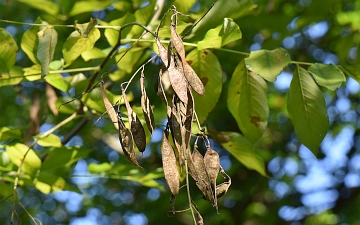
(203, 182)
(109, 107)
(187, 70)
(171, 172)
(146, 106)
(136, 127)
(160, 90)
(176, 77)
(176, 132)
(188, 118)
(127, 142)
(212, 165)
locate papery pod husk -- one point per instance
(203, 181)
(160, 90)
(212, 165)
(136, 127)
(176, 77)
(146, 106)
(127, 142)
(171, 172)
(109, 107)
(187, 70)
(176, 132)
(188, 119)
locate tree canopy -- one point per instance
(179, 112)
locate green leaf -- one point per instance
(183, 5)
(50, 140)
(143, 16)
(30, 42)
(66, 5)
(352, 71)
(68, 108)
(85, 28)
(15, 76)
(30, 164)
(208, 68)
(32, 73)
(57, 81)
(112, 35)
(328, 76)
(45, 5)
(99, 168)
(243, 151)
(268, 64)
(48, 182)
(164, 32)
(222, 35)
(307, 109)
(8, 50)
(47, 43)
(247, 102)
(89, 6)
(7, 133)
(131, 58)
(60, 159)
(95, 53)
(75, 44)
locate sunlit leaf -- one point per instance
(352, 71)
(228, 32)
(307, 109)
(208, 68)
(99, 168)
(247, 102)
(57, 81)
(15, 76)
(131, 58)
(243, 151)
(328, 76)
(50, 140)
(30, 42)
(268, 64)
(95, 53)
(8, 50)
(88, 6)
(85, 29)
(68, 108)
(48, 182)
(75, 44)
(7, 133)
(46, 49)
(45, 5)
(112, 35)
(143, 15)
(183, 5)
(30, 164)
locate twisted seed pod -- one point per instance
(109, 107)
(212, 165)
(146, 106)
(171, 172)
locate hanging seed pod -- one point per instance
(188, 119)
(136, 127)
(212, 165)
(188, 71)
(176, 132)
(176, 77)
(109, 107)
(146, 106)
(160, 90)
(203, 182)
(127, 142)
(171, 172)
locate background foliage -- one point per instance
(259, 127)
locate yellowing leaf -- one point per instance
(47, 43)
(50, 140)
(30, 42)
(45, 5)
(15, 76)
(8, 50)
(307, 109)
(247, 102)
(30, 164)
(89, 6)
(75, 44)
(268, 64)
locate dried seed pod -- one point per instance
(212, 165)
(146, 106)
(188, 118)
(171, 172)
(176, 77)
(176, 132)
(188, 71)
(127, 142)
(160, 90)
(203, 182)
(222, 188)
(109, 107)
(136, 127)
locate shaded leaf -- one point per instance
(328, 76)
(109, 107)
(112, 35)
(207, 67)
(46, 49)
(7, 133)
(8, 50)
(307, 109)
(132, 57)
(31, 163)
(30, 42)
(352, 71)
(88, 6)
(171, 172)
(268, 64)
(146, 106)
(244, 152)
(45, 5)
(228, 32)
(48, 182)
(143, 15)
(247, 102)
(75, 44)
(57, 81)
(94, 99)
